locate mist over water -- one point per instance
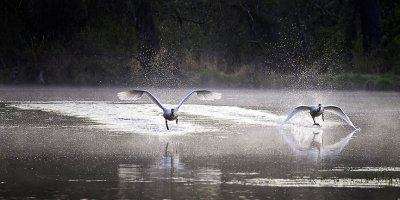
(59, 139)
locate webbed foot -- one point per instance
(316, 124)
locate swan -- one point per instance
(170, 114)
(317, 110)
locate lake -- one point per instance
(84, 143)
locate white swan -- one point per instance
(317, 110)
(169, 114)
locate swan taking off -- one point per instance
(169, 114)
(317, 110)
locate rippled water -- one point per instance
(84, 143)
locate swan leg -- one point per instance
(166, 123)
(176, 120)
(323, 117)
(315, 124)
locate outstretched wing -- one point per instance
(295, 111)
(339, 111)
(137, 94)
(202, 95)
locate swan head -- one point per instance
(319, 107)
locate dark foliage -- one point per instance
(246, 42)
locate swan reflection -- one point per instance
(170, 162)
(168, 166)
(309, 143)
(161, 178)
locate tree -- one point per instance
(369, 12)
(149, 42)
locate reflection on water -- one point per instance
(309, 143)
(168, 167)
(170, 162)
(167, 178)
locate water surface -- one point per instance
(84, 143)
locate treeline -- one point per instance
(256, 43)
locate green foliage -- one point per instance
(68, 43)
(237, 43)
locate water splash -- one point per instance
(147, 118)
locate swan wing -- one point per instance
(137, 94)
(295, 111)
(202, 95)
(339, 111)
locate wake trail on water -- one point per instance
(147, 118)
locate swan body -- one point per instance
(318, 110)
(170, 114)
